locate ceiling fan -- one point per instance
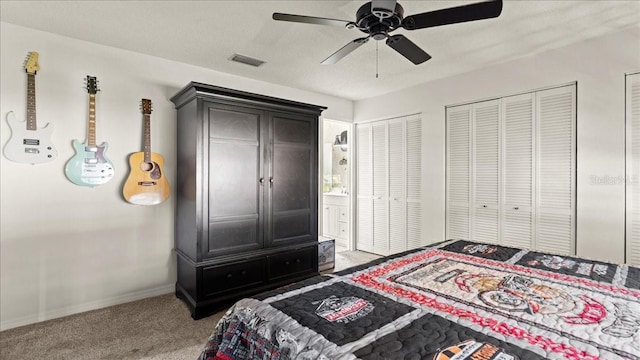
(378, 18)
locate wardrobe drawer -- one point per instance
(225, 278)
(293, 263)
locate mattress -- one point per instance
(453, 301)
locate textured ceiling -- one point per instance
(207, 33)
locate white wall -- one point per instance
(598, 65)
(66, 248)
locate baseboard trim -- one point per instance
(80, 308)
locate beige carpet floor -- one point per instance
(158, 328)
(155, 328)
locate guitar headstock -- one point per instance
(92, 85)
(31, 63)
(146, 106)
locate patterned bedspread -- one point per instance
(458, 300)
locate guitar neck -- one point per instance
(91, 136)
(31, 102)
(147, 138)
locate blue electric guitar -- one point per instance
(30, 144)
(89, 166)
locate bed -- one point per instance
(452, 301)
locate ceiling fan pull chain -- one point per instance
(376, 59)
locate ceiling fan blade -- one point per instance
(407, 49)
(384, 4)
(310, 19)
(471, 12)
(346, 50)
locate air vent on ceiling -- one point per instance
(246, 60)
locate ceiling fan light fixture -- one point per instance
(247, 60)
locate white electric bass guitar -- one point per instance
(30, 144)
(90, 166)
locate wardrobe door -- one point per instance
(458, 172)
(517, 171)
(413, 181)
(235, 194)
(633, 169)
(486, 179)
(555, 170)
(379, 135)
(365, 189)
(397, 198)
(292, 182)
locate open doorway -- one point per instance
(336, 183)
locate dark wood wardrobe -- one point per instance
(247, 194)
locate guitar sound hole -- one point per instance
(146, 166)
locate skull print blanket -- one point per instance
(456, 300)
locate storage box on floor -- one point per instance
(326, 253)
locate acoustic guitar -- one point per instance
(90, 166)
(30, 144)
(146, 184)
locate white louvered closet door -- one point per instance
(396, 161)
(517, 171)
(413, 148)
(486, 170)
(633, 169)
(380, 188)
(555, 170)
(458, 172)
(365, 189)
